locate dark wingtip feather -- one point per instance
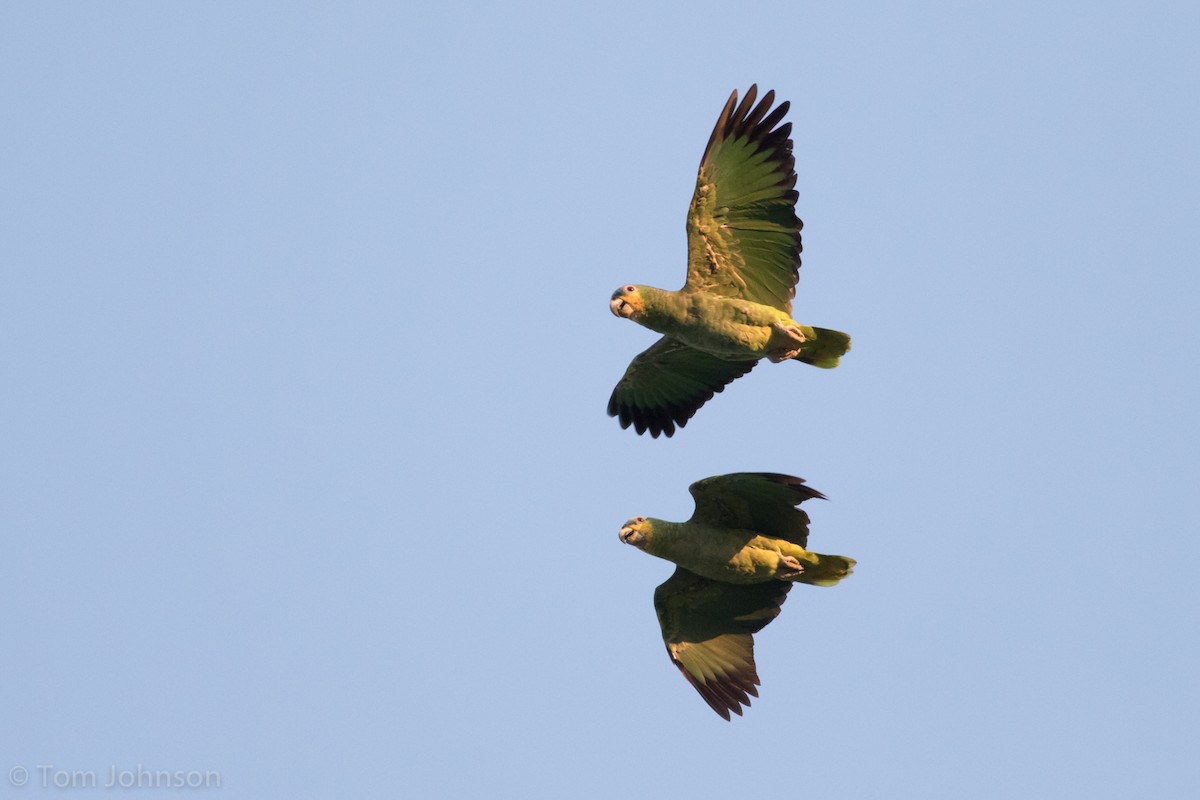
(729, 693)
(772, 119)
(720, 130)
(655, 421)
(746, 103)
(660, 421)
(799, 486)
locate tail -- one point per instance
(825, 350)
(828, 570)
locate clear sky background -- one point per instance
(305, 348)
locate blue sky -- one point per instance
(305, 349)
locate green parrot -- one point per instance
(743, 261)
(736, 559)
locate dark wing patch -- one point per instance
(743, 232)
(764, 502)
(708, 628)
(666, 384)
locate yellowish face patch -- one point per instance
(626, 302)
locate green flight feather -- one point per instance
(743, 232)
(665, 385)
(708, 629)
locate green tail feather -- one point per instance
(828, 571)
(826, 349)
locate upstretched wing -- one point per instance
(708, 628)
(665, 385)
(759, 501)
(743, 232)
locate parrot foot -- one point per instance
(775, 356)
(786, 338)
(789, 568)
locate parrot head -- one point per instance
(636, 532)
(627, 301)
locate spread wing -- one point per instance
(743, 232)
(709, 629)
(666, 384)
(764, 502)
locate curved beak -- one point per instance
(627, 535)
(619, 307)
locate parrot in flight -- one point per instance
(743, 261)
(736, 559)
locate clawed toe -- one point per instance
(788, 568)
(775, 356)
(789, 338)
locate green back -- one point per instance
(764, 502)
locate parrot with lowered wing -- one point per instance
(736, 559)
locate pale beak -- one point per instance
(619, 307)
(626, 534)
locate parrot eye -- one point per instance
(630, 289)
(639, 519)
